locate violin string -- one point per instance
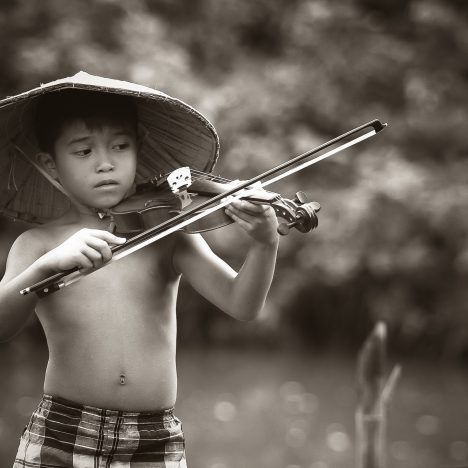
(200, 175)
(203, 175)
(211, 176)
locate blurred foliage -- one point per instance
(280, 77)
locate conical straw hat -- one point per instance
(174, 135)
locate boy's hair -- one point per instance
(58, 109)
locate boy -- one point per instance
(110, 383)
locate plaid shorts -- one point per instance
(63, 434)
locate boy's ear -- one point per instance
(47, 162)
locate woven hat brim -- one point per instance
(174, 135)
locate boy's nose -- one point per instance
(104, 163)
(105, 166)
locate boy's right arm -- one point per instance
(21, 271)
(28, 263)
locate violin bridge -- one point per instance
(179, 179)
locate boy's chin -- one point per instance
(103, 205)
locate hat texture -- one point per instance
(173, 135)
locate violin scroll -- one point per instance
(302, 214)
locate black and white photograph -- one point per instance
(234, 234)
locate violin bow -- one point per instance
(65, 278)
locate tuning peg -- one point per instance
(301, 197)
(315, 205)
(305, 221)
(284, 228)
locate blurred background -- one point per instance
(276, 78)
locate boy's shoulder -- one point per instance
(40, 238)
(29, 246)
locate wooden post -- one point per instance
(374, 394)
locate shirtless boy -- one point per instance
(111, 383)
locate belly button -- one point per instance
(122, 379)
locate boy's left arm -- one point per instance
(240, 294)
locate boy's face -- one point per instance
(96, 166)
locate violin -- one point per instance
(182, 211)
(160, 198)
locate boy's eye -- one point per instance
(121, 146)
(83, 152)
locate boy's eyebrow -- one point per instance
(78, 140)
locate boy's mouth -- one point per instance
(106, 182)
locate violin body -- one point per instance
(154, 204)
(144, 210)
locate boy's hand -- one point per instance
(259, 221)
(86, 249)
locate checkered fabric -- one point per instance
(62, 434)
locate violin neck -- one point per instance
(209, 188)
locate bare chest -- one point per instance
(143, 285)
